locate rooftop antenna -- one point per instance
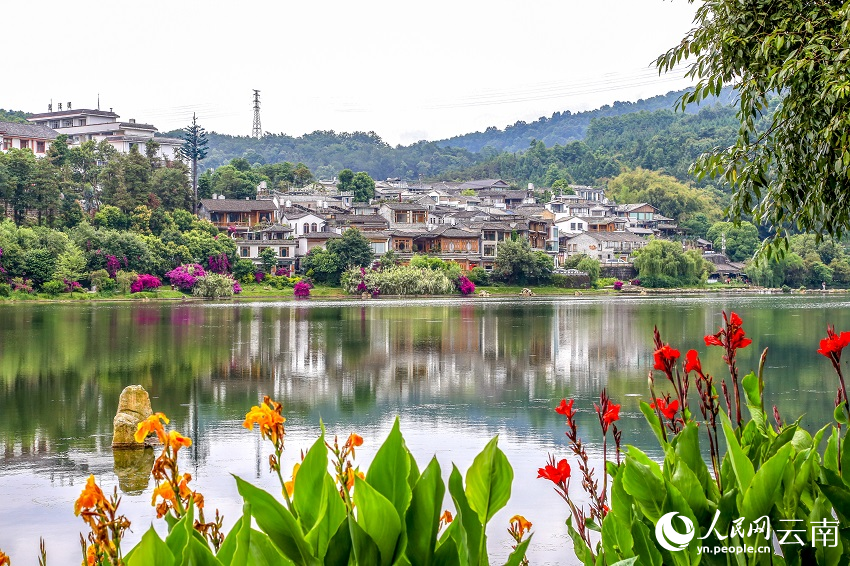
(257, 131)
(98, 101)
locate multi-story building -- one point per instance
(97, 125)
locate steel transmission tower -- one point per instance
(257, 131)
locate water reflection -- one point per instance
(457, 371)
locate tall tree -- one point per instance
(796, 170)
(194, 149)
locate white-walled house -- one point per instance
(26, 136)
(97, 125)
(571, 225)
(302, 222)
(277, 237)
(604, 246)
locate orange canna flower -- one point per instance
(349, 477)
(290, 485)
(266, 417)
(91, 497)
(151, 424)
(354, 439)
(91, 555)
(165, 491)
(521, 524)
(183, 486)
(177, 440)
(446, 517)
(4, 560)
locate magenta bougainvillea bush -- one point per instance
(465, 286)
(145, 282)
(219, 263)
(618, 285)
(302, 289)
(184, 276)
(237, 288)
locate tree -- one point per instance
(194, 149)
(668, 195)
(795, 169)
(364, 187)
(171, 185)
(741, 240)
(322, 265)
(352, 250)
(269, 259)
(344, 180)
(662, 263)
(516, 262)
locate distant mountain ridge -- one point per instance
(564, 127)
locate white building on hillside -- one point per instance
(25, 136)
(97, 125)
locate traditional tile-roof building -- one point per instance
(26, 136)
(240, 214)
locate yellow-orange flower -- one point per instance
(4, 560)
(350, 475)
(446, 517)
(149, 425)
(354, 440)
(521, 524)
(165, 491)
(178, 441)
(91, 555)
(267, 418)
(290, 485)
(183, 486)
(91, 497)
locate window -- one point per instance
(233, 217)
(572, 225)
(25, 144)
(67, 123)
(245, 251)
(306, 228)
(489, 250)
(54, 124)
(7, 144)
(379, 247)
(490, 236)
(314, 227)
(283, 252)
(81, 122)
(39, 147)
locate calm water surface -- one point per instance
(456, 372)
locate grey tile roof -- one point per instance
(612, 236)
(236, 205)
(27, 131)
(137, 126)
(404, 206)
(103, 113)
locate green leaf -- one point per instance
(740, 463)
(488, 481)
(277, 522)
(377, 517)
(759, 498)
(365, 549)
(753, 389)
(309, 495)
(447, 553)
(331, 516)
(830, 455)
(515, 559)
(644, 486)
(237, 541)
(626, 562)
(151, 550)
(840, 415)
(178, 539)
(580, 548)
(645, 545)
(469, 532)
(654, 423)
(390, 469)
(423, 515)
(263, 552)
(340, 548)
(198, 554)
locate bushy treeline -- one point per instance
(13, 116)
(33, 256)
(72, 182)
(806, 264)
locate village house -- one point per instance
(311, 240)
(404, 215)
(604, 246)
(26, 136)
(279, 238)
(484, 184)
(302, 222)
(240, 215)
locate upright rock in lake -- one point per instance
(134, 406)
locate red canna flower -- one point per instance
(713, 340)
(667, 409)
(565, 408)
(735, 320)
(692, 362)
(665, 357)
(732, 337)
(612, 414)
(832, 345)
(557, 474)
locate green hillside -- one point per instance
(13, 116)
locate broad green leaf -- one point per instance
(389, 471)
(469, 533)
(488, 481)
(178, 539)
(151, 550)
(840, 415)
(234, 549)
(423, 515)
(830, 455)
(654, 423)
(413, 476)
(365, 549)
(626, 562)
(198, 554)
(309, 494)
(687, 447)
(277, 522)
(644, 486)
(377, 517)
(515, 559)
(826, 554)
(689, 486)
(263, 552)
(761, 495)
(741, 465)
(579, 546)
(339, 548)
(645, 545)
(332, 515)
(753, 389)
(447, 553)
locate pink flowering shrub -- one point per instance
(219, 263)
(237, 288)
(112, 265)
(302, 289)
(368, 286)
(184, 276)
(144, 282)
(259, 276)
(618, 285)
(465, 286)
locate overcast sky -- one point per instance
(406, 70)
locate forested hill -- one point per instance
(13, 116)
(563, 127)
(326, 153)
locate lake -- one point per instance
(457, 372)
